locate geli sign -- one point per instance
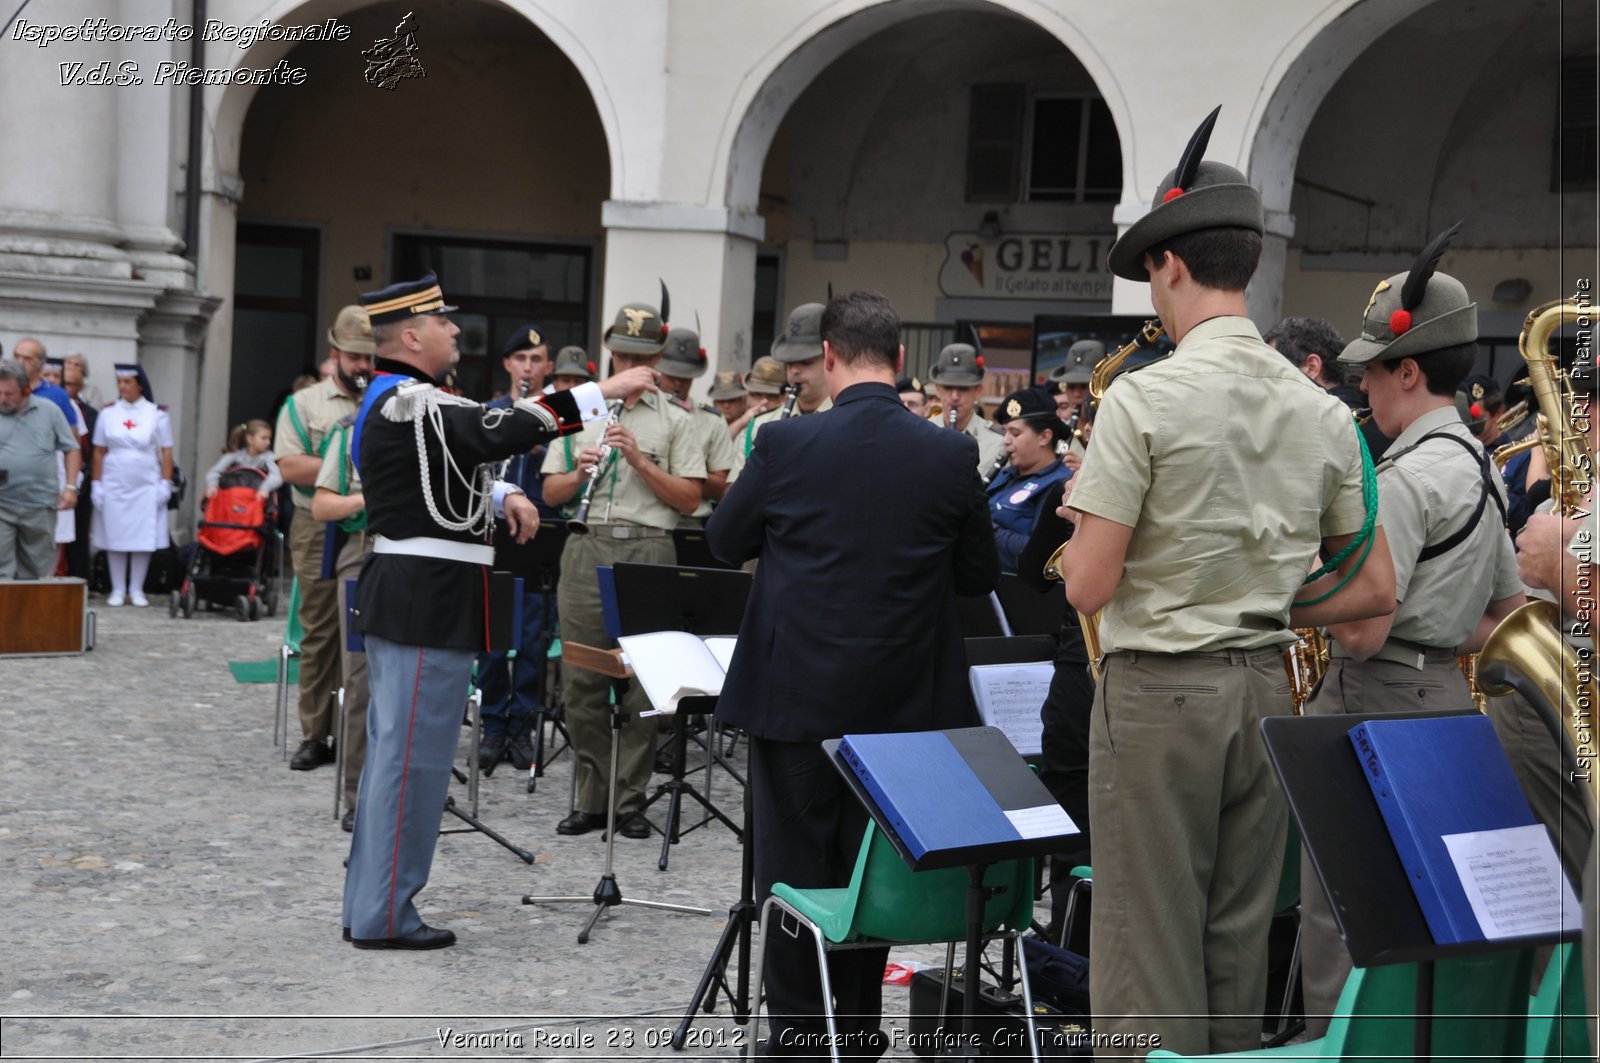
(1069, 267)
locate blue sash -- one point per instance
(381, 385)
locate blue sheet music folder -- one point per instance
(1433, 777)
(963, 793)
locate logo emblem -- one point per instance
(534, 339)
(1013, 408)
(1020, 495)
(636, 319)
(1383, 286)
(1477, 392)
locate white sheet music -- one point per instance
(1045, 821)
(1514, 881)
(673, 665)
(1009, 697)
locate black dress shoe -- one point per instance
(633, 825)
(491, 750)
(348, 823)
(581, 823)
(423, 937)
(313, 753)
(347, 933)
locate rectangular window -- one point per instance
(994, 143)
(1073, 152)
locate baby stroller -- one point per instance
(237, 551)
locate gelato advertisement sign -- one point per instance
(1069, 267)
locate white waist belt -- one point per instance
(442, 549)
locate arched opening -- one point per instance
(1442, 119)
(959, 157)
(490, 169)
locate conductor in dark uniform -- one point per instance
(420, 604)
(851, 627)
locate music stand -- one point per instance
(702, 602)
(1031, 611)
(1367, 886)
(538, 563)
(694, 551)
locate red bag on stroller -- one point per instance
(235, 515)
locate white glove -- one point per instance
(164, 490)
(97, 496)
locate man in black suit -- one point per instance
(851, 627)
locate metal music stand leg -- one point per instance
(338, 751)
(737, 931)
(470, 777)
(677, 788)
(552, 692)
(608, 894)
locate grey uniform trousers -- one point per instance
(353, 670)
(413, 723)
(1189, 828)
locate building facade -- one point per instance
(552, 159)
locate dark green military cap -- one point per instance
(638, 329)
(959, 365)
(1078, 368)
(1415, 312)
(573, 361)
(683, 357)
(1195, 195)
(802, 335)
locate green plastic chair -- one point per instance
(1557, 1029)
(1480, 1012)
(887, 904)
(293, 632)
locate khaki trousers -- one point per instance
(1189, 829)
(319, 619)
(353, 672)
(1541, 770)
(588, 693)
(1356, 688)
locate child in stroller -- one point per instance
(235, 562)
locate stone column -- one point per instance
(706, 255)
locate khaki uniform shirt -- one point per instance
(304, 422)
(338, 473)
(713, 430)
(1424, 496)
(1230, 467)
(665, 434)
(991, 439)
(746, 442)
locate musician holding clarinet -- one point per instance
(633, 478)
(1215, 476)
(427, 460)
(805, 386)
(957, 376)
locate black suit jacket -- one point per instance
(868, 521)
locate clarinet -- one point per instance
(1000, 461)
(793, 393)
(950, 416)
(579, 524)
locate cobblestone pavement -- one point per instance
(171, 889)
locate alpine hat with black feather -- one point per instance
(1415, 312)
(640, 328)
(1197, 195)
(959, 365)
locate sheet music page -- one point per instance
(1009, 697)
(1514, 881)
(672, 665)
(721, 647)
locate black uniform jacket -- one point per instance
(868, 521)
(424, 601)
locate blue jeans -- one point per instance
(510, 700)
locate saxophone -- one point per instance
(1098, 382)
(1526, 652)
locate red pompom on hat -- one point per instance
(1172, 193)
(591, 369)
(978, 361)
(1475, 410)
(1400, 322)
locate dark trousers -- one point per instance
(511, 695)
(807, 832)
(1064, 769)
